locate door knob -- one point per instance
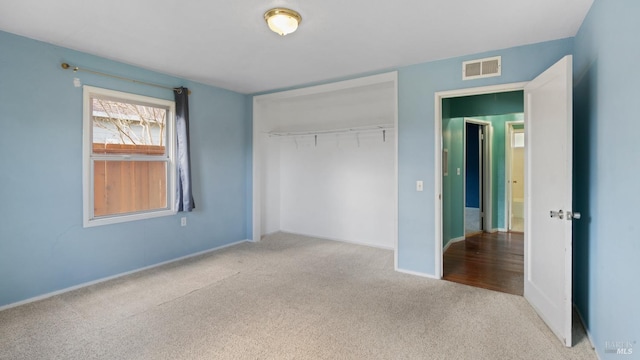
(573, 216)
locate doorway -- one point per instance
(478, 250)
(476, 170)
(515, 148)
(548, 172)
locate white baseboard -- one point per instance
(267, 234)
(340, 240)
(79, 286)
(454, 240)
(416, 273)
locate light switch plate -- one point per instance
(419, 185)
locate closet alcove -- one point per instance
(325, 161)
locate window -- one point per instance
(128, 157)
(517, 139)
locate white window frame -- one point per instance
(88, 157)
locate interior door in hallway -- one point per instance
(548, 196)
(473, 178)
(516, 179)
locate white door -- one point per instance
(548, 196)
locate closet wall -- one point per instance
(328, 161)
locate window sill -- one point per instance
(116, 219)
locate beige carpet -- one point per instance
(287, 297)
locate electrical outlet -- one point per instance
(183, 221)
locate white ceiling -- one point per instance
(227, 43)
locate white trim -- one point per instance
(464, 180)
(259, 136)
(256, 168)
(354, 242)
(94, 282)
(334, 86)
(454, 240)
(416, 273)
(438, 97)
(396, 189)
(492, 89)
(438, 186)
(88, 219)
(507, 173)
(273, 233)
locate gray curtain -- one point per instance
(184, 197)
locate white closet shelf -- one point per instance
(354, 129)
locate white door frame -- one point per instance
(485, 174)
(507, 173)
(439, 96)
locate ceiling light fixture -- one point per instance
(282, 21)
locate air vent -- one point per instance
(482, 68)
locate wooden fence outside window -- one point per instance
(123, 186)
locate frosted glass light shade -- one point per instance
(282, 21)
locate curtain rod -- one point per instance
(75, 69)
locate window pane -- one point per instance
(127, 128)
(129, 186)
(518, 140)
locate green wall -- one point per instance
(452, 184)
(483, 105)
(496, 109)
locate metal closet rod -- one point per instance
(76, 69)
(333, 131)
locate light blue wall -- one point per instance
(417, 86)
(606, 170)
(43, 247)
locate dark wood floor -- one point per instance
(491, 261)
